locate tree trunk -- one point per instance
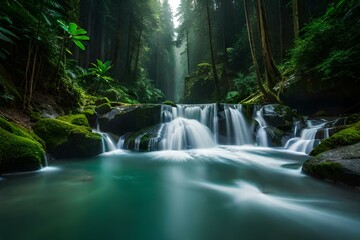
(137, 56)
(272, 73)
(281, 30)
(253, 52)
(216, 80)
(128, 52)
(295, 9)
(188, 51)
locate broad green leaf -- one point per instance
(79, 44)
(5, 38)
(4, 30)
(80, 31)
(63, 25)
(81, 37)
(72, 28)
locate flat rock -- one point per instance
(341, 165)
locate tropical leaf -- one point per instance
(72, 28)
(81, 37)
(79, 44)
(5, 38)
(80, 31)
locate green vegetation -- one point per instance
(77, 119)
(64, 140)
(325, 170)
(345, 137)
(19, 150)
(103, 108)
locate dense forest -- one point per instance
(221, 51)
(179, 119)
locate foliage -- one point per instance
(245, 84)
(329, 47)
(145, 90)
(74, 33)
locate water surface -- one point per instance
(222, 193)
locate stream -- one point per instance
(225, 192)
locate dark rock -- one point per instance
(341, 165)
(131, 118)
(103, 108)
(101, 101)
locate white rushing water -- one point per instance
(238, 131)
(188, 126)
(307, 140)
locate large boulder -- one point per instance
(341, 165)
(19, 150)
(348, 136)
(66, 140)
(133, 118)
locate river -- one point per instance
(225, 192)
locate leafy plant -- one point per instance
(74, 33)
(98, 74)
(6, 35)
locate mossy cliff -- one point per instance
(66, 140)
(19, 150)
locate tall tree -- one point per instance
(295, 9)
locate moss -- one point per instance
(90, 116)
(170, 103)
(101, 101)
(103, 108)
(345, 137)
(325, 170)
(65, 140)
(77, 119)
(19, 150)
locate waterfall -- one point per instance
(307, 140)
(107, 143)
(182, 133)
(261, 135)
(238, 130)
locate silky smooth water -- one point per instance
(223, 193)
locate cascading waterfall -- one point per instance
(238, 131)
(261, 135)
(107, 143)
(197, 126)
(307, 140)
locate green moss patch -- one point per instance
(103, 108)
(77, 119)
(345, 137)
(19, 150)
(65, 140)
(101, 101)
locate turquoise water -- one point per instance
(224, 193)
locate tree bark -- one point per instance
(188, 51)
(295, 9)
(272, 73)
(216, 80)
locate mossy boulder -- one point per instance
(66, 140)
(341, 165)
(90, 116)
(103, 108)
(76, 119)
(19, 150)
(133, 118)
(101, 101)
(345, 137)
